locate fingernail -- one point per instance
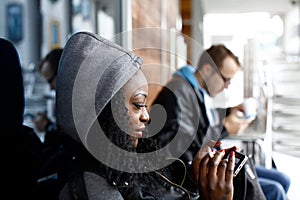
(218, 143)
(210, 152)
(232, 153)
(221, 151)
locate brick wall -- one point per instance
(155, 14)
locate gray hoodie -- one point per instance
(91, 71)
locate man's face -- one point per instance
(49, 75)
(220, 79)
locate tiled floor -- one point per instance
(289, 165)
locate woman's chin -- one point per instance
(134, 141)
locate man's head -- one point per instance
(49, 66)
(217, 66)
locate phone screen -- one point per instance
(240, 160)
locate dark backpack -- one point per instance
(246, 184)
(47, 184)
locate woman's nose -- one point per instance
(144, 115)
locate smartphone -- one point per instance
(240, 160)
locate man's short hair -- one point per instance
(215, 56)
(53, 58)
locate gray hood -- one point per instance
(91, 71)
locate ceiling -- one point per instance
(236, 6)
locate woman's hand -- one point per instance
(214, 174)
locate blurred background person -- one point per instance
(50, 135)
(20, 147)
(48, 69)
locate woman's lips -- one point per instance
(139, 132)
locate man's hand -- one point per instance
(235, 122)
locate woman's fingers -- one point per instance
(216, 176)
(222, 169)
(230, 167)
(214, 163)
(203, 169)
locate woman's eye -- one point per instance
(139, 105)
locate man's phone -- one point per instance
(240, 160)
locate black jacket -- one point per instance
(20, 146)
(186, 126)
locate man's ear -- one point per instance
(207, 69)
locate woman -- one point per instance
(102, 106)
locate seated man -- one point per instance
(191, 120)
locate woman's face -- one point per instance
(135, 94)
